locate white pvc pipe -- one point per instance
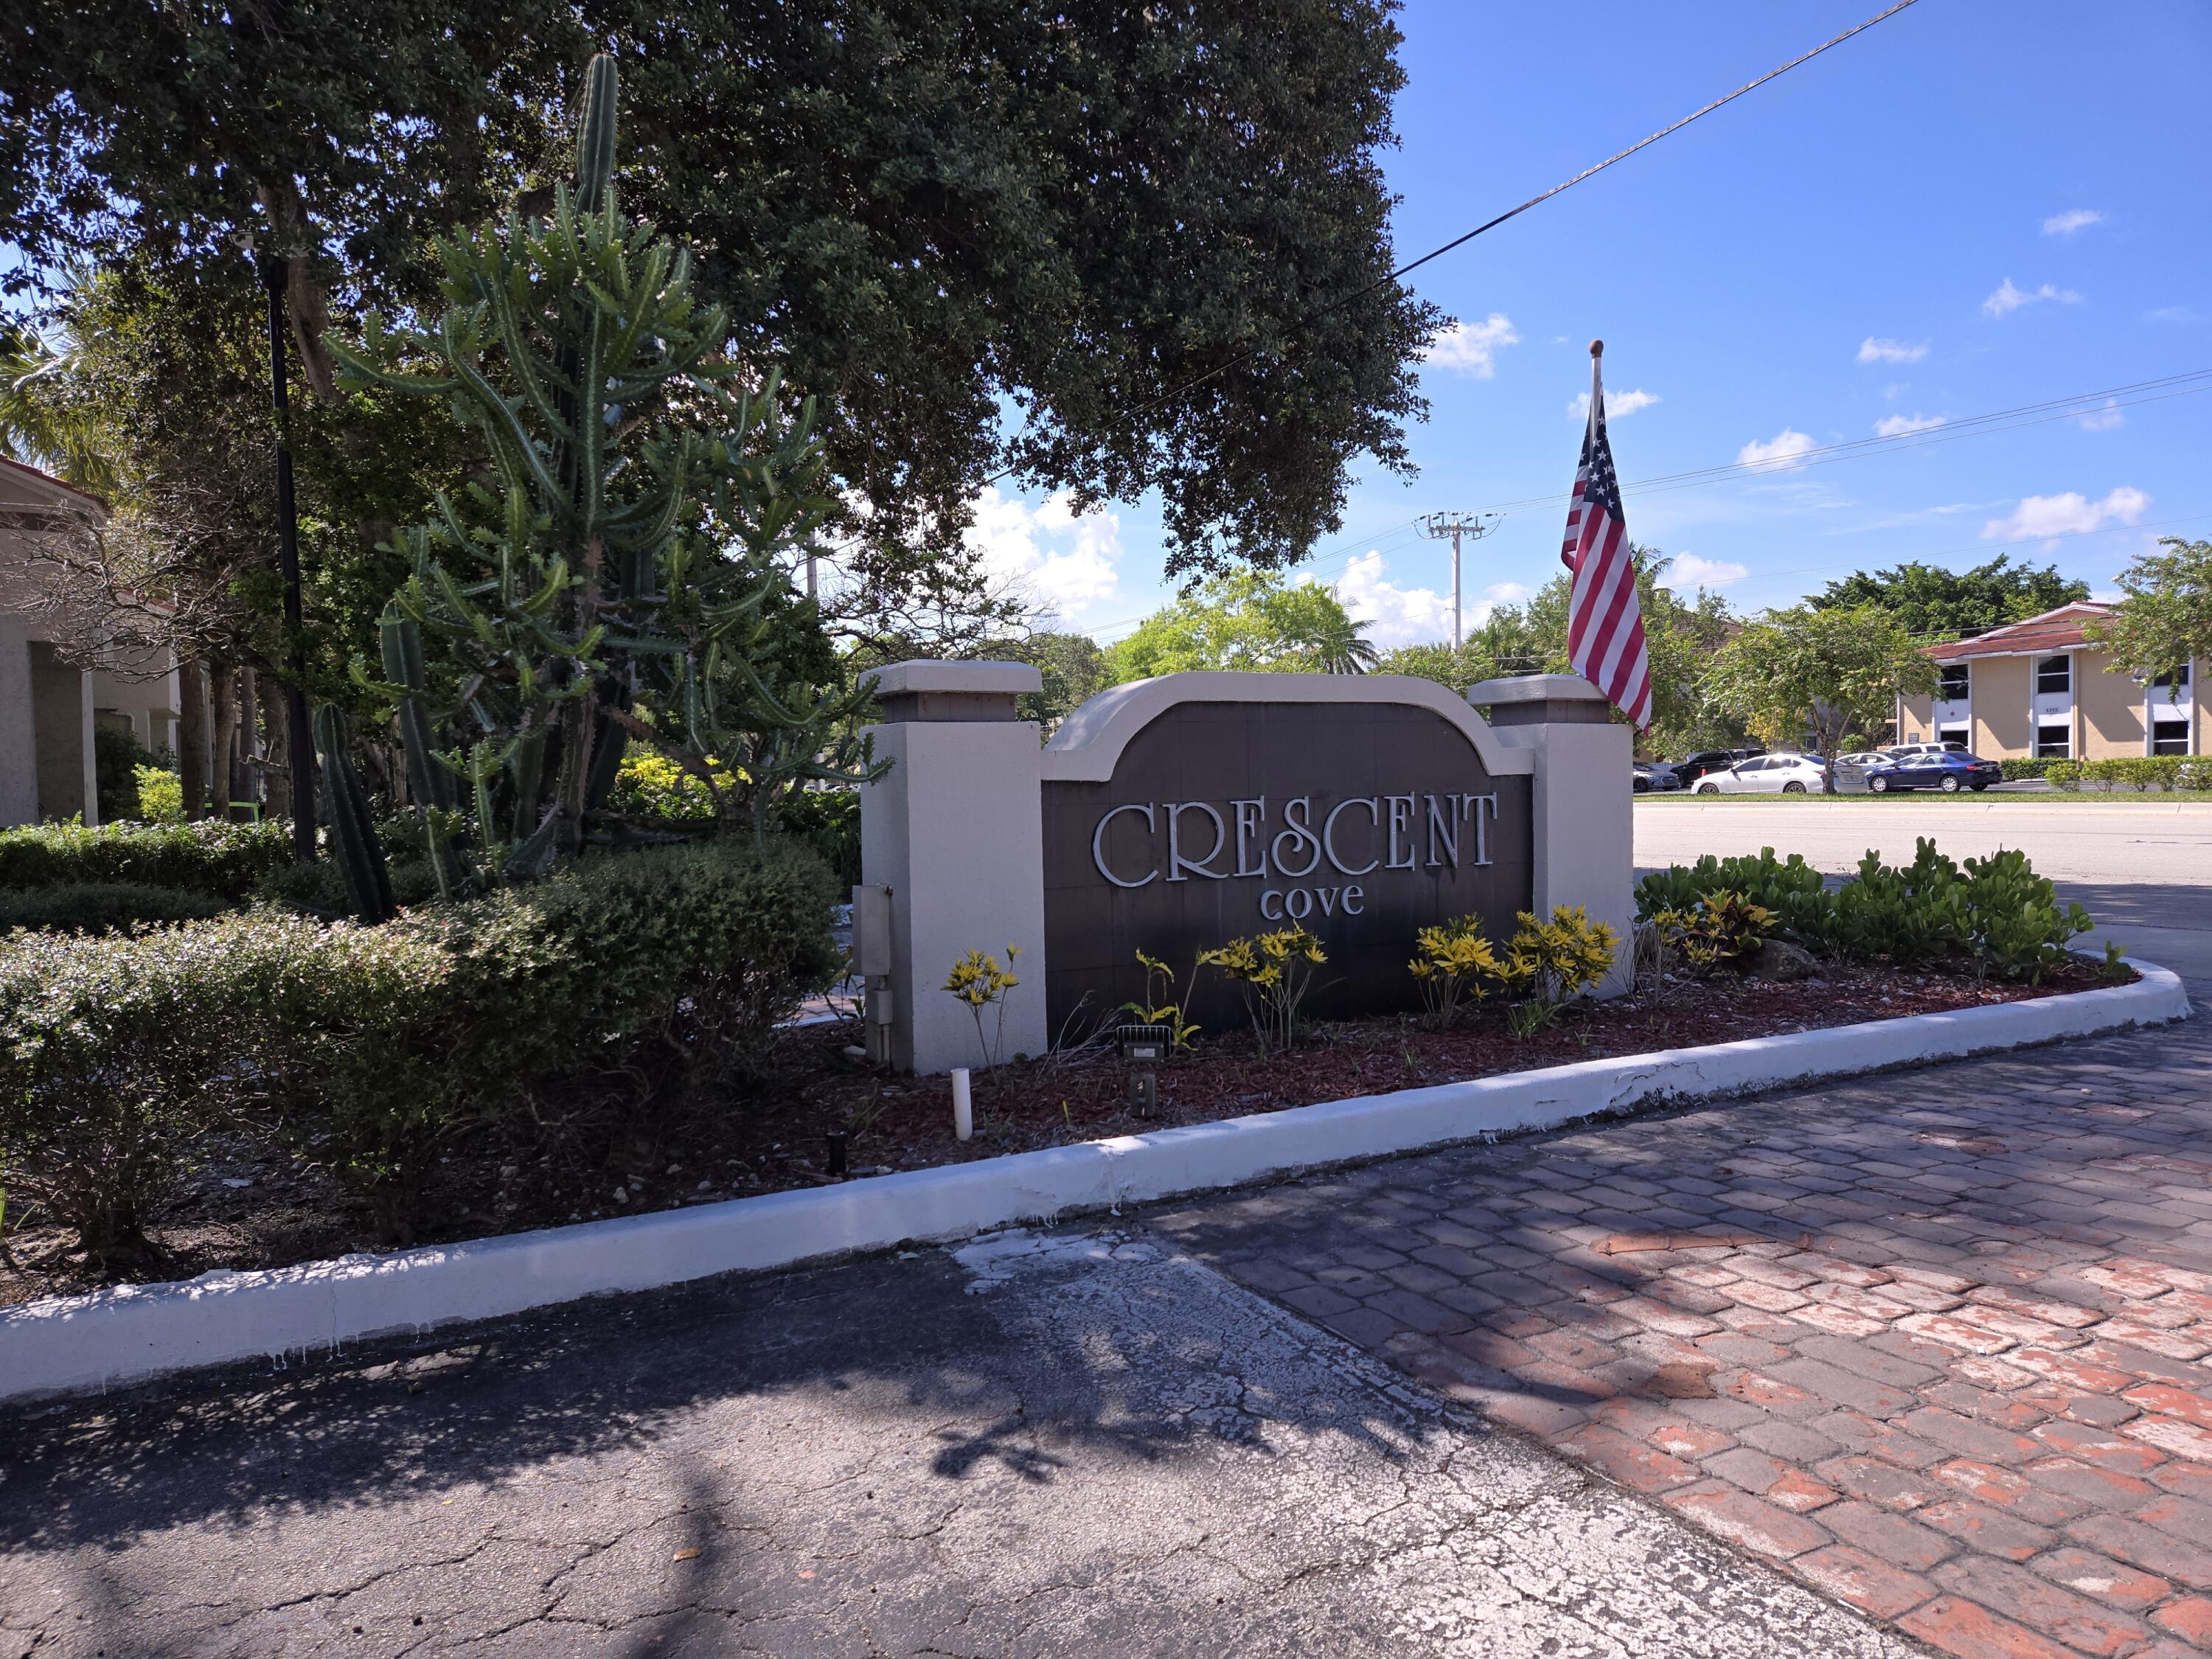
(963, 1114)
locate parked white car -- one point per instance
(1770, 775)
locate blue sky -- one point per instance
(1972, 207)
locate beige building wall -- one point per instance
(1918, 725)
(2001, 728)
(2108, 710)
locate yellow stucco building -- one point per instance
(2039, 688)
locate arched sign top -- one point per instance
(1089, 742)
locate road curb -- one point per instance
(71, 1345)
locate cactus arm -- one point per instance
(353, 837)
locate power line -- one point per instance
(2184, 385)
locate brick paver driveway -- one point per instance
(1942, 1358)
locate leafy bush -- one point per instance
(2015, 928)
(2064, 775)
(117, 1054)
(118, 757)
(1273, 971)
(2118, 772)
(102, 906)
(1451, 960)
(1795, 895)
(650, 786)
(2193, 775)
(1548, 963)
(1997, 915)
(561, 1010)
(2016, 767)
(160, 795)
(1721, 926)
(226, 859)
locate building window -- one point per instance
(2054, 741)
(1947, 734)
(2173, 679)
(2055, 674)
(1953, 686)
(2170, 737)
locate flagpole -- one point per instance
(1597, 390)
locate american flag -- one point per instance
(1605, 626)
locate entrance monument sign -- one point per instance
(1172, 815)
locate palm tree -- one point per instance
(1342, 647)
(40, 424)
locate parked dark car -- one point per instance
(1656, 776)
(1712, 760)
(1949, 770)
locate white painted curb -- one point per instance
(72, 1344)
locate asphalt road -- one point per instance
(2143, 869)
(1088, 1445)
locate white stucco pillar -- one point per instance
(1585, 829)
(87, 722)
(956, 831)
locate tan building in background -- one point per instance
(2039, 688)
(50, 708)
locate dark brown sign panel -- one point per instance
(1362, 822)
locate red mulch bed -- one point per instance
(252, 1206)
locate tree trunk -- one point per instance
(250, 766)
(276, 764)
(192, 737)
(223, 696)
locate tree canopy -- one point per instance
(1937, 603)
(2164, 618)
(1249, 622)
(1096, 244)
(1830, 671)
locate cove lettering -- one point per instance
(1365, 835)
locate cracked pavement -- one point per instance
(1070, 1443)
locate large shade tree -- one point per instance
(2164, 619)
(1828, 672)
(1102, 245)
(1934, 603)
(1250, 622)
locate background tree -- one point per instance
(2164, 619)
(1831, 672)
(1249, 622)
(1075, 670)
(931, 212)
(1937, 603)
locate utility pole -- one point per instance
(1471, 525)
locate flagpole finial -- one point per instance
(1597, 348)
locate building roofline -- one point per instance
(52, 482)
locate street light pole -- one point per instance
(299, 740)
(1437, 526)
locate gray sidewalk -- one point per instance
(1092, 1450)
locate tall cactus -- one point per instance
(353, 837)
(429, 780)
(625, 574)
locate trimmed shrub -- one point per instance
(226, 859)
(2021, 766)
(117, 1054)
(102, 906)
(563, 1010)
(1997, 915)
(2064, 775)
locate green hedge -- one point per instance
(102, 906)
(1993, 914)
(568, 1010)
(2020, 767)
(2135, 772)
(226, 859)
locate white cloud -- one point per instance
(2009, 298)
(1066, 563)
(1506, 594)
(1393, 615)
(1471, 349)
(1897, 426)
(2172, 314)
(1872, 351)
(2105, 419)
(1619, 406)
(2072, 514)
(1686, 572)
(1777, 452)
(2073, 219)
